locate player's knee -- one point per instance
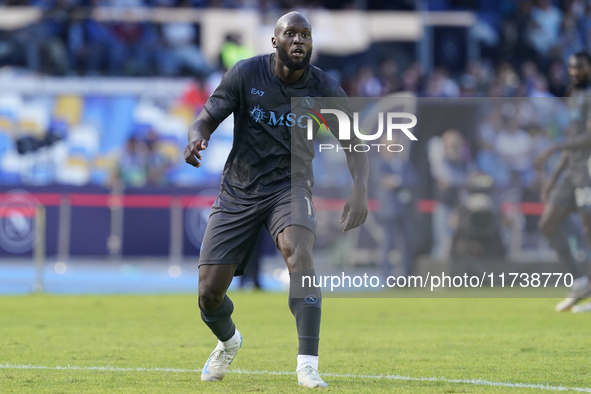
(209, 301)
(301, 258)
(285, 249)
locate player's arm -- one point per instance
(551, 181)
(543, 157)
(222, 102)
(199, 133)
(356, 207)
(581, 141)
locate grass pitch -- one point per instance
(521, 341)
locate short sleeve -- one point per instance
(339, 92)
(226, 97)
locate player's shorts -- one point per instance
(234, 224)
(573, 191)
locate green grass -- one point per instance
(499, 340)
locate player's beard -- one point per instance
(292, 64)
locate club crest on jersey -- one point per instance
(308, 102)
(257, 114)
(311, 299)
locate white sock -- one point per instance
(305, 360)
(232, 342)
(580, 283)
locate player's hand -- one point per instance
(192, 155)
(356, 209)
(543, 158)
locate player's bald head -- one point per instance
(289, 19)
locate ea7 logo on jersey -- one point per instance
(257, 92)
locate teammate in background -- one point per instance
(573, 192)
(397, 182)
(261, 188)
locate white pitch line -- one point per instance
(477, 382)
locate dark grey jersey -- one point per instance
(260, 162)
(579, 108)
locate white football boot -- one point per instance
(308, 377)
(220, 359)
(580, 289)
(581, 308)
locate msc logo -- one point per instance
(288, 119)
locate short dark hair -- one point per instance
(584, 55)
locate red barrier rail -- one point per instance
(189, 201)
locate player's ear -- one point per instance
(274, 42)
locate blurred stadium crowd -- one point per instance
(524, 47)
(515, 82)
(67, 40)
